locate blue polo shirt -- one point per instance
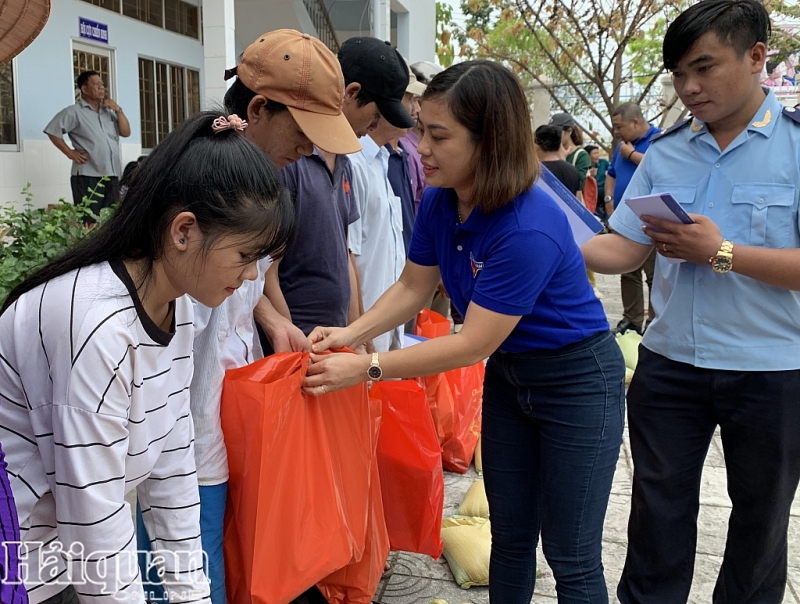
(751, 191)
(622, 169)
(519, 260)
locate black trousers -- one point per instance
(673, 410)
(82, 184)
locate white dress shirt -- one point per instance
(224, 338)
(376, 239)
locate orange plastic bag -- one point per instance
(466, 385)
(431, 324)
(300, 487)
(440, 404)
(455, 400)
(358, 582)
(410, 462)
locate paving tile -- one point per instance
(793, 587)
(712, 529)
(623, 475)
(405, 589)
(455, 488)
(615, 528)
(794, 542)
(545, 582)
(715, 457)
(417, 565)
(713, 487)
(706, 569)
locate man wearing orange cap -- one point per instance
(290, 91)
(316, 282)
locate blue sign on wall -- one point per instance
(92, 30)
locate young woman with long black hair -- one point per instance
(96, 363)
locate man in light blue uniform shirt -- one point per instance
(724, 349)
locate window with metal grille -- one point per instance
(147, 103)
(86, 60)
(193, 90)
(109, 4)
(167, 95)
(149, 11)
(8, 110)
(181, 17)
(175, 15)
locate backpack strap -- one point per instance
(575, 156)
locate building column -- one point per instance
(669, 91)
(382, 19)
(541, 103)
(219, 47)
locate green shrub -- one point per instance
(31, 237)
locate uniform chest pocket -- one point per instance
(761, 215)
(683, 194)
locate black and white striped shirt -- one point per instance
(94, 401)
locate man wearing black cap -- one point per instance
(306, 283)
(376, 239)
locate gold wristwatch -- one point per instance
(374, 372)
(723, 261)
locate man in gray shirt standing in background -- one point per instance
(94, 125)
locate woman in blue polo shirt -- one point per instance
(554, 395)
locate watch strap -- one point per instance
(725, 249)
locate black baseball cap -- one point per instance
(382, 72)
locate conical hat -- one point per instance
(20, 22)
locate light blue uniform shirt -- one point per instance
(750, 191)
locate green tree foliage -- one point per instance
(785, 38)
(591, 55)
(445, 48)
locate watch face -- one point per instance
(374, 373)
(721, 264)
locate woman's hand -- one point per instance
(325, 338)
(331, 372)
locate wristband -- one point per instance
(631, 154)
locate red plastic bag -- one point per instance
(300, 487)
(590, 193)
(431, 324)
(358, 582)
(410, 462)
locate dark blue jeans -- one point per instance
(552, 429)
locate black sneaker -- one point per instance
(626, 325)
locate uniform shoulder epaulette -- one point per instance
(793, 113)
(674, 128)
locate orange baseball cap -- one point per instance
(297, 70)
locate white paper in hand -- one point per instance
(663, 206)
(584, 224)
